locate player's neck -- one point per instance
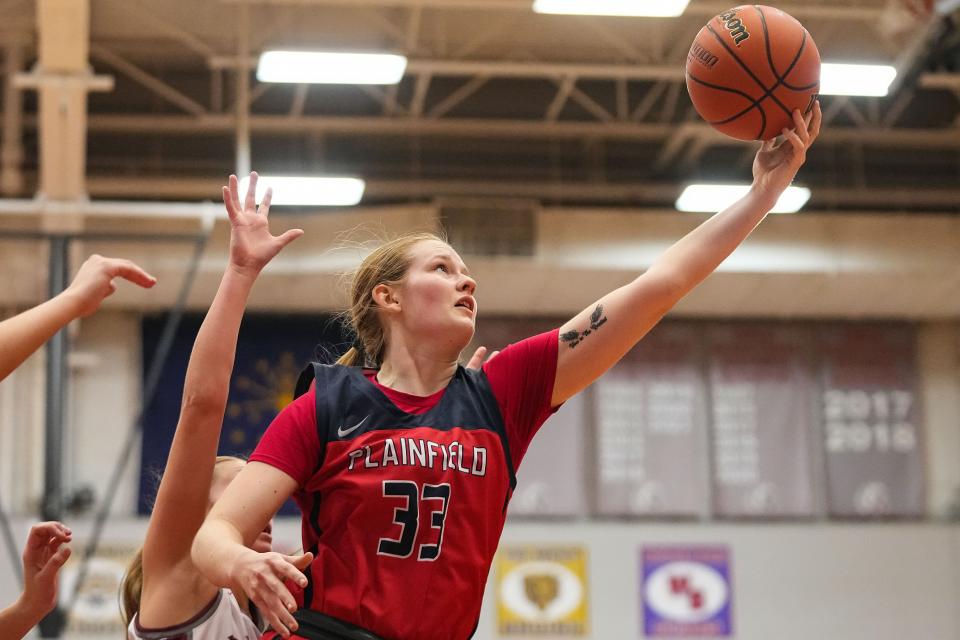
(418, 373)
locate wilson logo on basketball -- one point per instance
(735, 26)
(702, 55)
(767, 66)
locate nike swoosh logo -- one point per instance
(341, 432)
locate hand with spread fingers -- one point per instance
(252, 245)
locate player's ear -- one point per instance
(386, 297)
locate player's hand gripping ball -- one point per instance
(749, 68)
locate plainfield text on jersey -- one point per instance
(417, 452)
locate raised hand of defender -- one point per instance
(42, 558)
(94, 281)
(252, 245)
(777, 163)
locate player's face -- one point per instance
(437, 294)
(223, 474)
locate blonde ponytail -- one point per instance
(130, 589)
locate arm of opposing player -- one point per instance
(182, 498)
(180, 506)
(23, 334)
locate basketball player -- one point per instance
(403, 462)
(164, 595)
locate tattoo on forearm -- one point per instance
(574, 337)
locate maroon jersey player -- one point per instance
(403, 461)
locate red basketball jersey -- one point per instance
(404, 498)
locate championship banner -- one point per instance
(763, 405)
(872, 420)
(650, 423)
(686, 592)
(541, 590)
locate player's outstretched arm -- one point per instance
(180, 506)
(43, 556)
(23, 334)
(221, 553)
(602, 333)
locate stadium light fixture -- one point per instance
(838, 79)
(644, 8)
(327, 191)
(717, 197)
(329, 67)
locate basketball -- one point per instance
(749, 68)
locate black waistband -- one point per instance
(319, 626)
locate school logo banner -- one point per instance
(541, 590)
(686, 592)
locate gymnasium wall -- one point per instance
(790, 580)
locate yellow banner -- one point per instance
(541, 590)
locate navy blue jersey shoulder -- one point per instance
(349, 405)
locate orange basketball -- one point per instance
(749, 68)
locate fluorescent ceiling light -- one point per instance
(717, 197)
(326, 191)
(648, 8)
(322, 67)
(855, 79)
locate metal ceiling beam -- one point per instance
(553, 70)
(150, 82)
(460, 94)
(940, 80)
(205, 212)
(225, 124)
(241, 118)
(560, 99)
(460, 127)
(160, 25)
(697, 9)
(510, 69)
(825, 198)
